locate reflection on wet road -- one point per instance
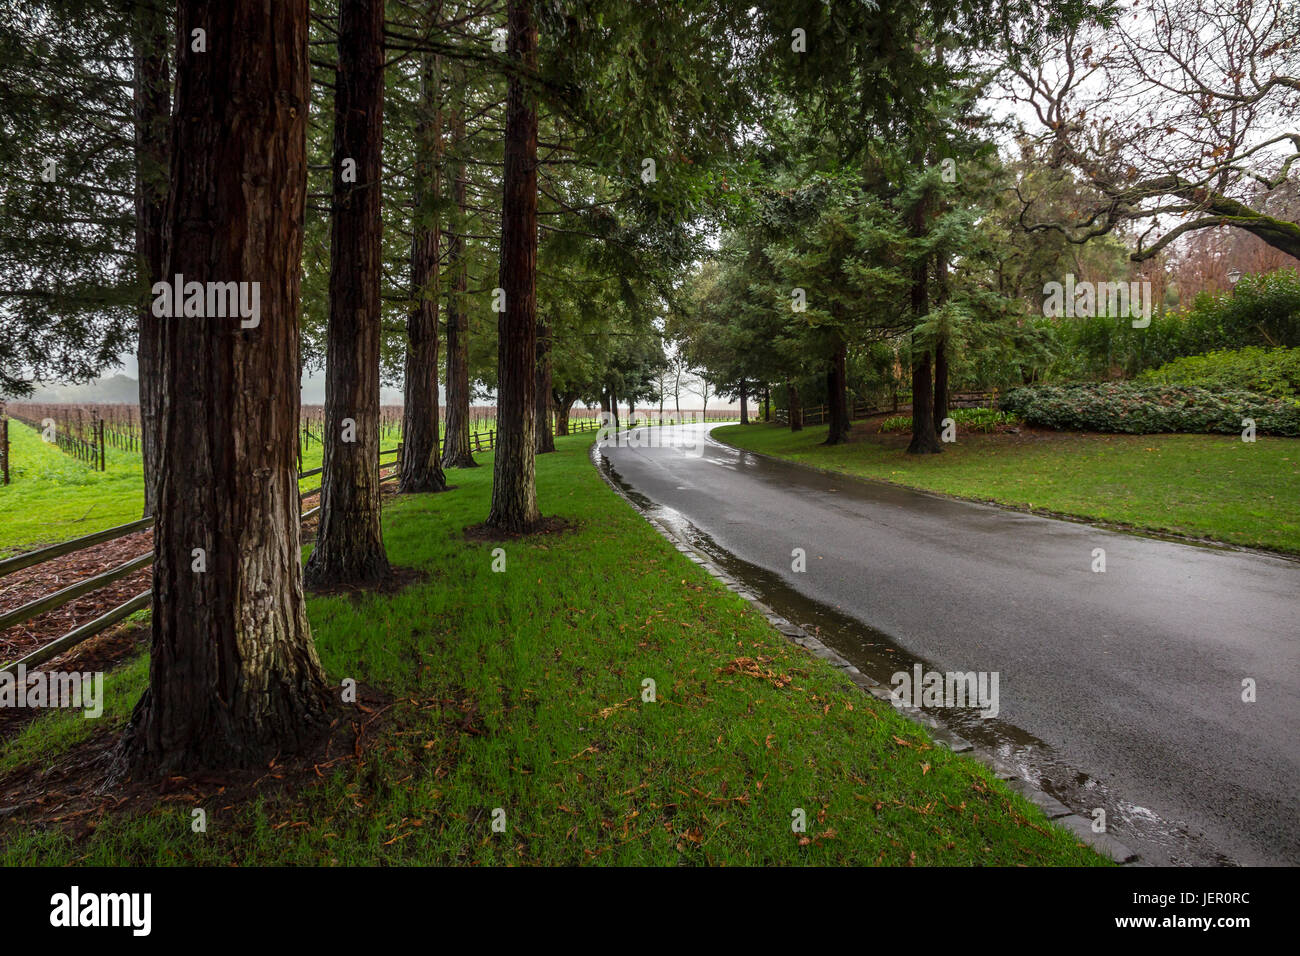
(1121, 690)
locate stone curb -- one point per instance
(1056, 812)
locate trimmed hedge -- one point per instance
(1137, 409)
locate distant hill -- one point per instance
(111, 389)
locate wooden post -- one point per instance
(4, 447)
(102, 466)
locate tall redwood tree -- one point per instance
(234, 678)
(837, 403)
(349, 541)
(925, 439)
(514, 487)
(456, 451)
(421, 470)
(545, 438)
(151, 101)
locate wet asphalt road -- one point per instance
(1133, 676)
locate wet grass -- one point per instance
(54, 497)
(523, 691)
(1209, 486)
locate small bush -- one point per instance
(1137, 409)
(1274, 372)
(970, 419)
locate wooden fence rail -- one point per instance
(56, 600)
(59, 598)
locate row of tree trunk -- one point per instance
(220, 196)
(234, 677)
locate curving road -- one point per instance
(1124, 688)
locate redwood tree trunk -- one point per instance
(924, 439)
(796, 409)
(744, 403)
(420, 468)
(837, 398)
(234, 678)
(152, 108)
(941, 351)
(514, 485)
(349, 541)
(456, 450)
(545, 440)
(563, 406)
(940, 384)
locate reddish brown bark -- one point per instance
(152, 121)
(796, 409)
(563, 409)
(837, 431)
(545, 439)
(421, 471)
(456, 452)
(514, 487)
(349, 539)
(234, 677)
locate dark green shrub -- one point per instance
(968, 419)
(1261, 311)
(1136, 409)
(1274, 372)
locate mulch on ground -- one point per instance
(74, 795)
(98, 654)
(544, 526)
(29, 584)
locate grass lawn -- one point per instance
(522, 691)
(1210, 486)
(54, 497)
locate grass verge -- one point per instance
(1203, 486)
(523, 691)
(54, 497)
